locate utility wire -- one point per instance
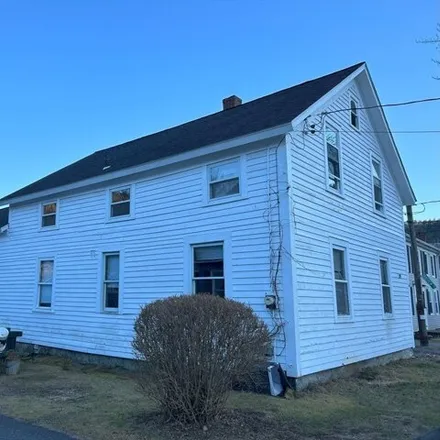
(394, 104)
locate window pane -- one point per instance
(50, 208)
(121, 195)
(378, 194)
(354, 120)
(111, 295)
(376, 170)
(208, 253)
(224, 171)
(120, 209)
(353, 106)
(411, 292)
(48, 220)
(331, 138)
(384, 271)
(208, 261)
(46, 271)
(213, 287)
(112, 267)
(429, 297)
(339, 264)
(333, 160)
(408, 255)
(386, 292)
(45, 296)
(342, 303)
(225, 188)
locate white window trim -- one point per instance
(351, 97)
(241, 181)
(120, 218)
(344, 246)
(390, 281)
(37, 307)
(102, 308)
(41, 214)
(340, 192)
(376, 158)
(208, 239)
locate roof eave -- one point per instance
(149, 166)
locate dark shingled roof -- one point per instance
(4, 216)
(263, 113)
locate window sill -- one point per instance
(111, 312)
(224, 200)
(43, 310)
(347, 320)
(120, 219)
(380, 214)
(49, 228)
(335, 193)
(389, 317)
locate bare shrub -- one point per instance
(193, 348)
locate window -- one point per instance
(386, 288)
(208, 269)
(111, 281)
(333, 159)
(354, 117)
(437, 296)
(430, 305)
(224, 179)
(48, 214)
(45, 283)
(341, 281)
(376, 168)
(120, 202)
(432, 259)
(411, 292)
(408, 255)
(424, 262)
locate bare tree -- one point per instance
(436, 41)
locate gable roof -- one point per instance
(260, 114)
(4, 217)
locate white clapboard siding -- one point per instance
(168, 209)
(319, 215)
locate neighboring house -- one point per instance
(291, 203)
(4, 219)
(429, 264)
(428, 230)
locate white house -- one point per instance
(429, 265)
(291, 203)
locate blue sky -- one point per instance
(78, 76)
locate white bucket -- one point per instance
(12, 367)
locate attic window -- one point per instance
(354, 117)
(49, 215)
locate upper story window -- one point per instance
(111, 281)
(120, 201)
(424, 262)
(376, 169)
(433, 266)
(224, 179)
(49, 214)
(45, 283)
(408, 256)
(333, 152)
(354, 116)
(340, 279)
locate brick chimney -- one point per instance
(231, 102)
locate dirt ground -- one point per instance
(398, 401)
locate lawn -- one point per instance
(398, 401)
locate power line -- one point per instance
(428, 202)
(394, 104)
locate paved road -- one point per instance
(11, 429)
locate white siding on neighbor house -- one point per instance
(321, 217)
(170, 213)
(433, 319)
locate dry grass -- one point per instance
(401, 400)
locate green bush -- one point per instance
(193, 348)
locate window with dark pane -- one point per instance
(377, 185)
(120, 203)
(208, 269)
(354, 118)
(411, 292)
(224, 179)
(45, 283)
(408, 256)
(111, 281)
(49, 215)
(341, 282)
(429, 298)
(333, 159)
(386, 288)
